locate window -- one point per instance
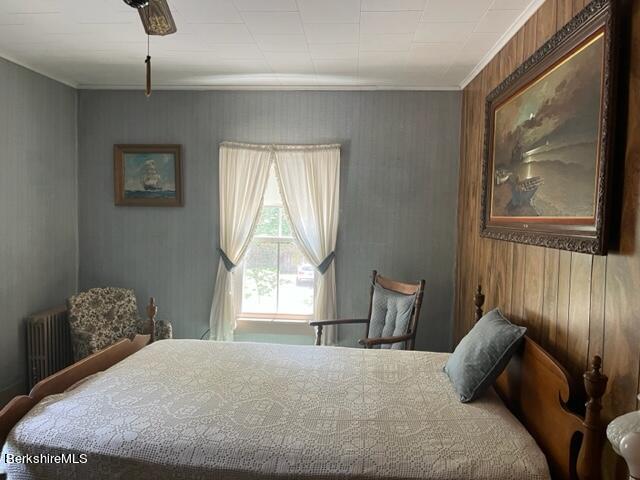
(277, 281)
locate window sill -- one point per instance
(274, 319)
(277, 326)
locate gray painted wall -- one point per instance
(398, 192)
(38, 214)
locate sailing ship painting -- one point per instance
(147, 175)
(151, 179)
(545, 143)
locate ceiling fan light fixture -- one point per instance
(137, 3)
(155, 15)
(157, 19)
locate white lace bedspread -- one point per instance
(189, 409)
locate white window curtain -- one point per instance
(310, 186)
(243, 180)
(309, 180)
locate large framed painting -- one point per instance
(148, 175)
(549, 140)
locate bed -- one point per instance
(189, 409)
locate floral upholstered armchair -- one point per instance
(101, 316)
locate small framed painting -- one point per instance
(549, 140)
(148, 175)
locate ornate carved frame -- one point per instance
(599, 14)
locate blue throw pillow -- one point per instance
(482, 355)
(390, 315)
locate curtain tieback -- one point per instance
(228, 264)
(326, 262)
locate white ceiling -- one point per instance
(391, 44)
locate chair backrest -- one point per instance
(105, 315)
(416, 289)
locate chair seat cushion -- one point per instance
(390, 315)
(482, 355)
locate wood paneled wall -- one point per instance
(575, 305)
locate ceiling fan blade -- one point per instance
(157, 19)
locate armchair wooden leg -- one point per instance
(319, 335)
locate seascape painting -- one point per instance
(550, 135)
(546, 143)
(148, 175)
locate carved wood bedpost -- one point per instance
(478, 301)
(152, 311)
(590, 456)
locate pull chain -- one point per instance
(147, 91)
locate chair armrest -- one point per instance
(83, 344)
(143, 326)
(344, 321)
(369, 342)
(164, 330)
(320, 324)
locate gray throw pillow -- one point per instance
(390, 315)
(482, 355)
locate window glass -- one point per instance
(277, 280)
(269, 222)
(296, 279)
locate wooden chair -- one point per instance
(416, 289)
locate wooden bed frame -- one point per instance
(534, 386)
(537, 389)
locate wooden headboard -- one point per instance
(536, 388)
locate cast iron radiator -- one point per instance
(48, 344)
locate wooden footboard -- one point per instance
(59, 382)
(536, 388)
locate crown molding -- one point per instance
(502, 41)
(270, 87)
(80, 86)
